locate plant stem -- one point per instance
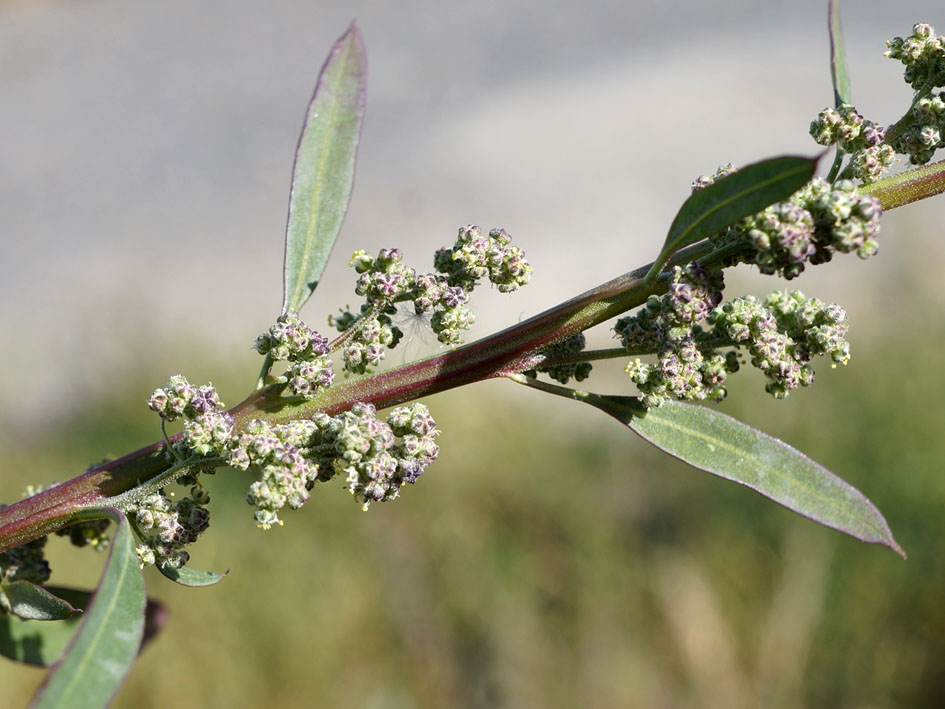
(264, 371)
(547, 387)
(906, 187)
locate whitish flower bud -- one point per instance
(166, 528)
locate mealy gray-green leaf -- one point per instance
(32, 602)
(838, 56)
(718, 444)
(107, 641)
(41, 643)
(191, 577)
(733, 197)
(35, 642)
(324, 168)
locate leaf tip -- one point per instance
(894, 545)
(353, 34)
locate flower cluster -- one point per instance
(209, 427)
(88, 533)
(290, 339)
(783, 334)
(475, 257)
(375, 457)
(26, 562)
(687, 366)
(384, 281)
(923, 128)
(923, 54)
(817, 220)
(279, 454)
(446, 305)
(925, 132)
(370, 335)
(855, 135)
(564, 372)
(693, 292)
(164, 528)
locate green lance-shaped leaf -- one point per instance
(838, 56)
(107, 641)
(324, 168)
(191, 577)
(720, 445)
(31, 602)
(733, 197)
(838, 73)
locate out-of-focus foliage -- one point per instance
(551, 559)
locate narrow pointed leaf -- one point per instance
(191, 577)
(41, 643)
(31, 602)
(324, 168)
(720, 445)
(838, 74)
(838, 56)
(734, 197)
(35, 642)
(107, 640)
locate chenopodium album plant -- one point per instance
(304, 425)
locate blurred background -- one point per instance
(549, 558)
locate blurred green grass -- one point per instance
(550, 558)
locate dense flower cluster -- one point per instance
(375, 457)
(280, 455)
(88, 533)
(369, 336)
(209, 427)
(290, 339)
(475, 257)
(925, 132)
(862, 139)
(687, 367)
(164, 527)
(781, 334)
(923, 54)
(26, 562)
(923, 128)
(818, 220)
(564, 372)
(694, 291)
(384, 281)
